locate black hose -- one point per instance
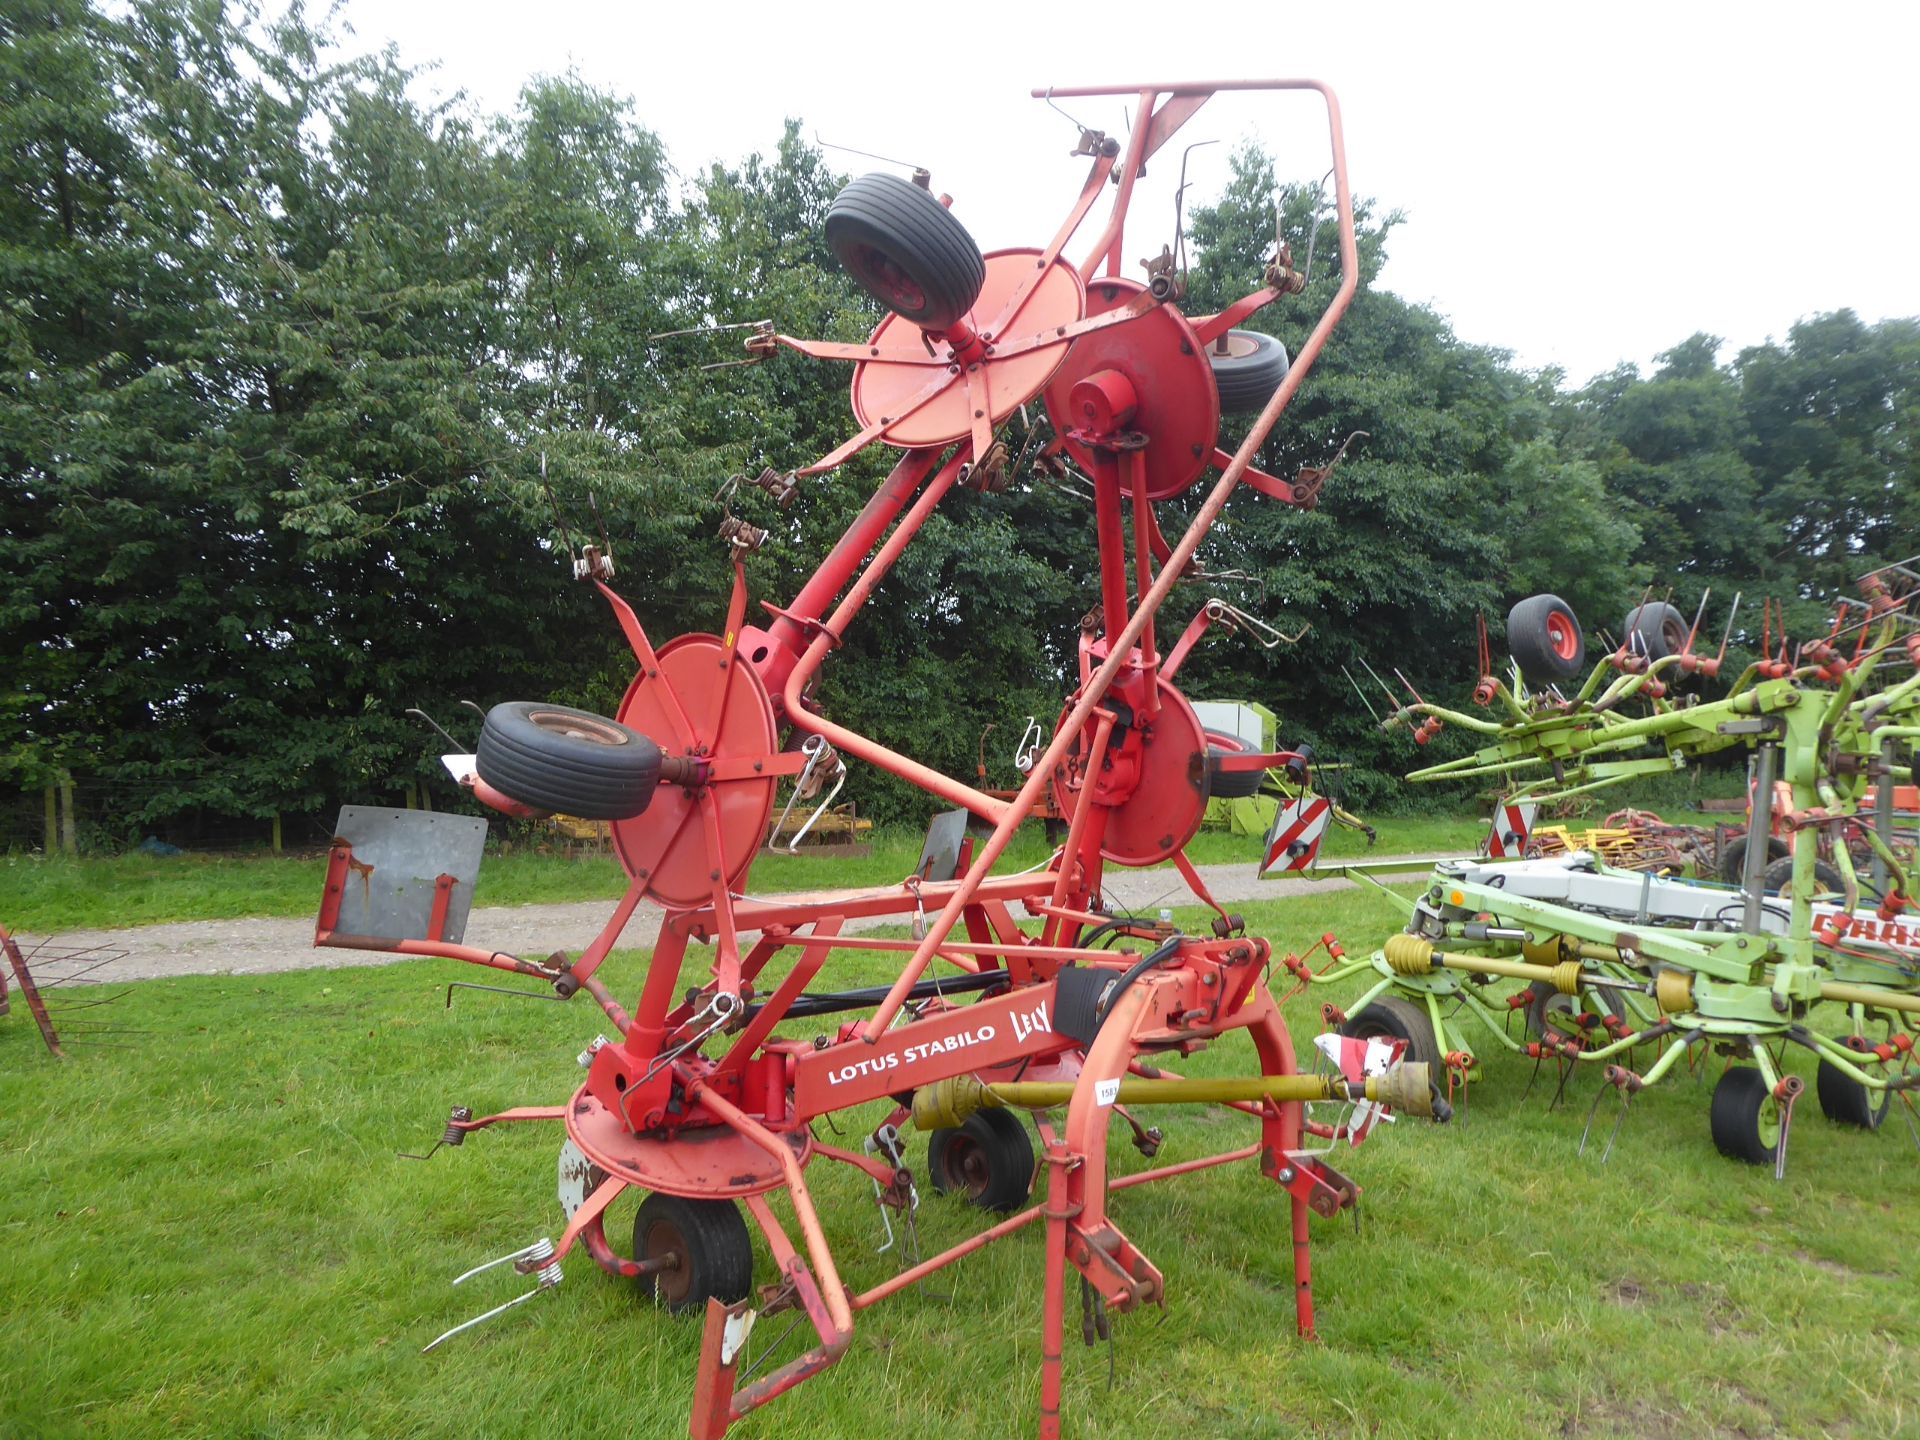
(1110, 997)
(837, 1001)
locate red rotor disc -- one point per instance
(667, 844)
(885, 387)
(1177, 406)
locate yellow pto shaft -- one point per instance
(1406, 1087)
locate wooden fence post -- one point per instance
(69, 837)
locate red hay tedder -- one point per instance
(699, 1102)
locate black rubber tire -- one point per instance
(1740, 1101)
(1230, 784)
(989, 1160)
(1655, 630)
(1249, 372)
(572, 762)
(1545, 638)
(716, 1252)
(1733, 856)
(1845, 1101)
(905, 249)
(1543, 993)
(1397, 1019)
(1779, 875)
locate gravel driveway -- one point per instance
(262, 947)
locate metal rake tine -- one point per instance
(66, 1009)
(1592, 1110)
(1358, 691)
(1531, 1078)
(1566, 1073)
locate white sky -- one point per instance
(1584, 184)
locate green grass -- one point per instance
(49, 895)
(207, 1234)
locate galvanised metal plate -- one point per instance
(397, 857)
(940, 852)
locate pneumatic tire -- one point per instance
(989, 1160)
(905, 249)
(1733, 857)
(1248, 372)
(1777, 878)
(1655, 630)
(1230, 784)
(1392, 1018)
(714, 1250)
(1845, 1101)
(569, 761)
(1545, 639)
(1745, 1117)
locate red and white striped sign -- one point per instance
(1294, 840)
(1511, 829)
(1360, 1060)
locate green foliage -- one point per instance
(304, 386)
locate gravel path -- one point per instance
(262, 947)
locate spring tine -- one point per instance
(1618, 1121)
(1698, 616)
(479, 1319)
(1385, 688)
(1913, 1126)
(1358, 691)
(1531, 1078)
(1587, 1129)
(1727, 634)
(1566, 1073)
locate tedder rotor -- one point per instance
(703, 1100)
(1795, 954)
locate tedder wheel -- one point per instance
(709, 1237)
(1777, 878)
(1395, 1019)
(1544, 636)
(1845, 1101)
(1733, 856)
(1247, 371)
(570, 761)
(905, 249)
(1545, 999)
(989, 1160)
(1230, 784)
(1745, 1117)
(1655, 630)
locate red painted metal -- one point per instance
(886, 392)
(1126, 381)
(690, 679)
(1177, 407)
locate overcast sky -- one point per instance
(1583, 184)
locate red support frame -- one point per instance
(653, 1092)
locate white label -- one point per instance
(733, 1338)
(1105, 1092)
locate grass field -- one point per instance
(207, 1234)
(42, 896)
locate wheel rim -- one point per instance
(1767, 1122)
(663, 1237)
(893, 285)
(1673, 634)
(578, 727)
(1560, 636)
(966, 1167)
